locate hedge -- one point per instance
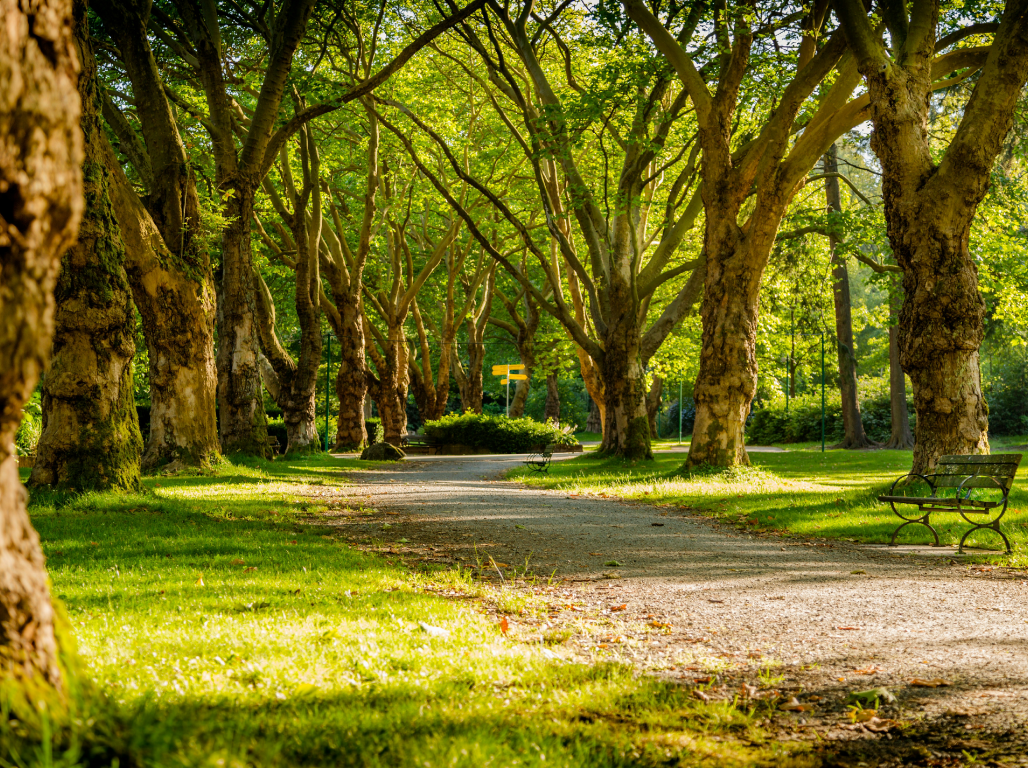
(497, 433)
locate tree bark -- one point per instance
(351, 377)
(653, 405)
(594, 423)
(626, 430)
(177, 309)
(40, 209)
(552, 408)
(167, 267)
(930, 204)
(901, 438)
(90, 438)
(853, 427)
(391, 384)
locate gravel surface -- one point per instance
(734, 613)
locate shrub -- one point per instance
(277, 428)
(31, 427)
(497, 433)
(771, 424)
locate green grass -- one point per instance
(801, 492)
(221, 628)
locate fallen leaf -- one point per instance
(857, 573)
(621, 607)
(867, 671)
(712, 600)
(237, 561)
(95, 543)
(659, 625)
(793, 705)
(392, 513)
(863, 715)
(612, 563)
(251, 568)
(504, 625)
(937, 682)
(701, 695)
(199, 581)
(596, 554)
(657, 524)
(850, 628)
(871, 697)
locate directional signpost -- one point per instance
(508, 372)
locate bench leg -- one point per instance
(993, 526)
(923, 521)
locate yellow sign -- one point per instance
(503, 370)
(518, 377)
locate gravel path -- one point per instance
(707, 604)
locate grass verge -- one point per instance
(831, 495)
(221, 627)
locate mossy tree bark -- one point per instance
(90, 438)
(476, 318)
(653, 404)
(40, 209)
(551, 410)
(167, 265)
(854, 436)
(929, 204)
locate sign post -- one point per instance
(507, 372)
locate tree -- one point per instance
(166, 248)
(610, 285)
(853, 427)
(293, 383)
(40, 209)
(90, 437)
(930, 201)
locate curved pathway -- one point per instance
(683, 597)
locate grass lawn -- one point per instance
(221, 628)
(803, 492)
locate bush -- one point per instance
(31, 427)
(770, 424)
(277, 428)
(376, 433)
(1007, 396)
(497, 433)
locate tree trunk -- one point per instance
(40, 171)
(392, 386)
(594, 423)
(178, 323)
(653, 405)
(90, 437)
(242, 423)
(900, 439)
(168, 269)
(626, 430)
(351, 378)
(853, 426)
(552, 410)
(727, 379)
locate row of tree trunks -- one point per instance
(40, 209)
(90, 438)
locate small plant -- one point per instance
(767, 676)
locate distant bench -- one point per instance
(540, 462)
(418, 441)
(958, 479)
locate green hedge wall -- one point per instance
(497, 433)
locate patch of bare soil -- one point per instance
(796, 628)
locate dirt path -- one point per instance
(686, 598)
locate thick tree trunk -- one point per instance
(552, 408)
(351, 378)
(901, 438)
(170, 273)
(727, 379)
(90, 437)
(178, 323)
(40, 173)
(626, 430)
(242, 424)
(392, 386)
(853, 426)
(653, 405)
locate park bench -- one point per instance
(417, 441)
(968, 485)
(273, 444)
(540, 462)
